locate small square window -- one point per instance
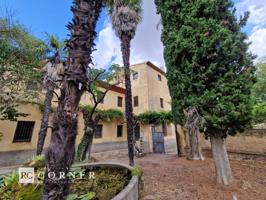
(98, 131)
(23, 131)
(161, 102)
(136, 101)
(120, 101)
(159, 77)
(135, 75)
(120, 131)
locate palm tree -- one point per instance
(61, 151)
(53, 70)
(125, 16)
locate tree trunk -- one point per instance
(61, 151)
(125, 48)
(193, 122)
(180, 148)
(221, 161)
(84, 148)
(45, 119)
(195, 149)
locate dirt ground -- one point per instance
(167, 177)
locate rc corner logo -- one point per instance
(26, 175)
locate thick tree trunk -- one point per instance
(61, 151)
(125, 47)
(221, 161)
(192, 131)
(45, 119)
(84, 148)
(180, 148)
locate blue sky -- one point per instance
(51, 16)
(40, 16)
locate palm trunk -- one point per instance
(45, 119)
(61, 151)
(125, 48)
(221, 161)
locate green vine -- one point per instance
(154, 117)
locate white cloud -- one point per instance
(258, 39)
(257, 21)
(108, 47)
(146, 46)
(257, 9)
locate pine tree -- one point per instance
(208, 67)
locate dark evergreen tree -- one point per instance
(208, 67)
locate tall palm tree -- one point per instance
(125, 16)
(61, 151)
(53, 70)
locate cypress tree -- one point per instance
(209, 67)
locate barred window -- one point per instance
(98, 131)
(23, 131)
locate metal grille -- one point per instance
(23, 131)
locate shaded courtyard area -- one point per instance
(167, 177)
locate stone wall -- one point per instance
(250, 142)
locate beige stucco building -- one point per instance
(149, 91)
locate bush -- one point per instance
(259, 112)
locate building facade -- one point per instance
(149, 92)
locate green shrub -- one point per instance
(136, 171)
(29, 192)
(36, 162)
(259, 112)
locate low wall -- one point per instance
(11, 158)
(249, 142)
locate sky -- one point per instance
(52, 16)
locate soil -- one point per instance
(106, 184)
(167, 177)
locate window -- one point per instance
(159, 77)
(98, 131)
(120, 131)
(135, 75)
(120, 101)
(137, 131)
(23, 131)
(136, 101)
(161, 102)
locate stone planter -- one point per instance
(131, 191)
